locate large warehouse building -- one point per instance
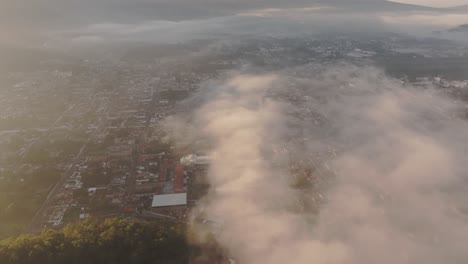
(169, 200)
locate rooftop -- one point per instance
(169, 200)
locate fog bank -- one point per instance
(389, 168)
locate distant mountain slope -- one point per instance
(376, 5)
(463, 8)
(460, 29)
(407, 7)
(59, 13)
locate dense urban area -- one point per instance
(87, 138)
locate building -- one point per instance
(146, 182)
(169, 200)
(163, 170)
(195, 160)
(147, 187)
(178, 183)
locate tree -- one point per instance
(115, 240)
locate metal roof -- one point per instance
(169, 200)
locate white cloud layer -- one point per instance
(392, 159)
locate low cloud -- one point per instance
(389, 168)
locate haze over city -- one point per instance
(222, 131)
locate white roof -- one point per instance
(203, 160)
(193, 159)
(169, 199)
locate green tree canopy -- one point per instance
(114, 240)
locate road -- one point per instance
(47, 130)
(37, 220)
(26, 149)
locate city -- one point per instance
(232, 145)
